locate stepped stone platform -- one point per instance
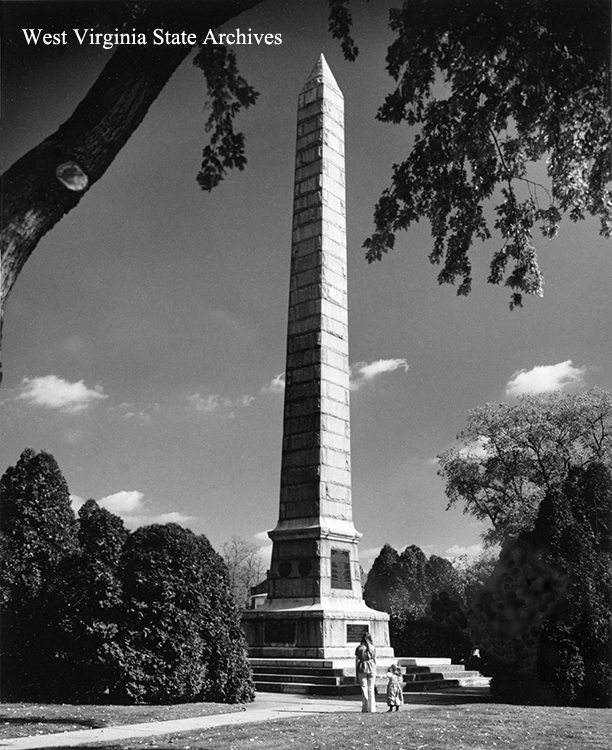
(337, 676)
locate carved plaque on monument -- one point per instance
(280, 631)
(340, 569)
(355, 631)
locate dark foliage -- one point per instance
(421, 595)
(380, 579)
(180, 634)
(38, 535)
(544, 620)
(94, 614)
(92, 603)
(524, 81)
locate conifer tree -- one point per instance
(38, 534)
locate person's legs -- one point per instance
(372, 693)
(363, 681)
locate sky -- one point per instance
(144, 341)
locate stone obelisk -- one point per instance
(315, 607)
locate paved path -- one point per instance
(267, 706)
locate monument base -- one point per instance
(290, 629)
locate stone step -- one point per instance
(282, 670)
(298, 678)
(433, 667)
(306, 688)
(446, 674)
(435, 684)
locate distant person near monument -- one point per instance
(365, 671)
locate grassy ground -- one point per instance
(461, 727)
(25, 719)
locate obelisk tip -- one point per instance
(322, 73)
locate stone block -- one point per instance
(300, 441)
(314, 153)
(314, 169)
(335, 409)
(332, 440)
(332, 457)
(298, 425)
(301, 509)
(302, 407)
(338, 492)
(334, 509)
(334, 474)
(313, 109)
(300, 493)
(330, 423)
(332, 326)
(330, 341)
(307, 185)
(329, 276)
(310, 124)
(300, 475)
(301, 342)
(308, 200)
(308, 393)
(334, 391)
(331, 309)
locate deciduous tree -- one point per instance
(245, 568)
(512, 104)
(513, 454)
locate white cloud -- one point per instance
(473, 550)
(76, 502)
(52, 392)
(173, 517)
(362, 372)
(544, 378)
(277, 384)
(215, 402)
(131, 507)
(123, 502)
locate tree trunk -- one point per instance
(51, 179)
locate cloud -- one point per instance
(216, 402)
(544, 378)
(52, 392)
(131, 507)
(474, 550)
(276, 385)
(173, 517)
(123, 502)
(362, 372)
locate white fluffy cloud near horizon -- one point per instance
(131, 507)
(215, 402)
(546, 378)
(52, 392)
(362, 372)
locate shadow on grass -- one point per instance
(25, 720)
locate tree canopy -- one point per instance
(523, 81)
(513, 454)
(91, 612)
(543, 621)
(496, 88)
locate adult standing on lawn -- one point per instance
(365, 671)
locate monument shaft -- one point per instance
(314, 606)
(315, 533)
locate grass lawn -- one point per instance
(460, 727)
(25, 719)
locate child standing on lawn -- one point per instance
(395, 685)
